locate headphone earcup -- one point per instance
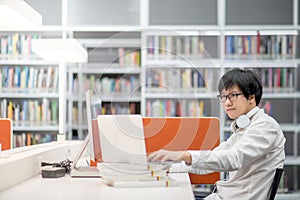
(243, 121)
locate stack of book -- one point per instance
(124, 175)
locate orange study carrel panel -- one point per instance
(177, 133)
(96, 143)
(5, 133)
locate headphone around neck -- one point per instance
(243, 121)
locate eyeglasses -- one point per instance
(231, 97)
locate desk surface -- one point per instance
(66, 187)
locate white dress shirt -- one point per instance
(250, 155)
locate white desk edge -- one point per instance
(21, 179)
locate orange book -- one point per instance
(28, 139)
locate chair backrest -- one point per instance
(275, 183)
(6, 133)
(183, 133)
(271, 194)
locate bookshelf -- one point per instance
(28, 90)
(178, 73)
(112, 72)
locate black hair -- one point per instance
(247, 80)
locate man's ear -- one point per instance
(252, 99)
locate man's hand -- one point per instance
(165, 155)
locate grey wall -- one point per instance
(178, 12)
(50, 10)
(259, 12)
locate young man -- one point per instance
(253, 151)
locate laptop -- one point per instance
(91, 143)
(122, 139)
(123, 142)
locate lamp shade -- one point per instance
(56, 50)
(18, 15)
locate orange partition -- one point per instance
(96, 143)
(6, 134)
(183, 133)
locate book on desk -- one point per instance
(122, 175)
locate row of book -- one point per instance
(108, 85)
(174, 47)
(29, 79)
(277, 78)
(115, 108)
(180, 78)
(128, 57)
(175, 108)
(266, 45)
(27, 139)
(30, 110)
(110, 108)
(17, 44)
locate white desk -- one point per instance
(20, 179)
(20, 164)
(65, 188)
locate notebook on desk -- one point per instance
(122, 141)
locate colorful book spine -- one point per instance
(270, 46)
(174, 108)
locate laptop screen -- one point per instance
(92, 140)
(93, 108)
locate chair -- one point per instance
(275, 184)
(199, 195)
(271, 195)
(6, 133)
